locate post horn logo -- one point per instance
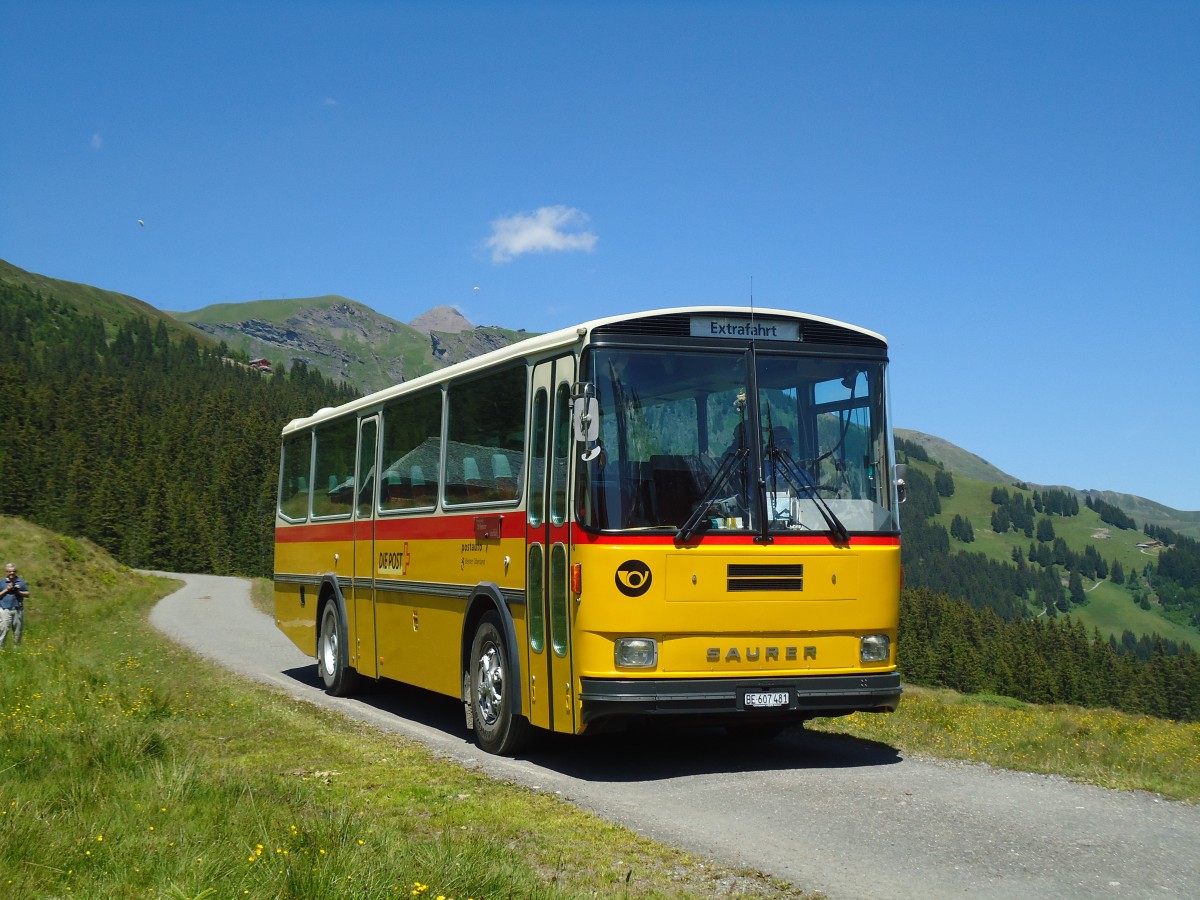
(633, 578)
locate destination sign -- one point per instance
(759, 329)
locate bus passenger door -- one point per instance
(551, 687)
(363, 656)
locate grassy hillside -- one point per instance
(956, 460)
(1110, 607)
(277, 311)
(1146, 512)
(115, 309)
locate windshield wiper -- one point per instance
(802, 482)
(724, 471)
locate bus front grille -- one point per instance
(741, 577)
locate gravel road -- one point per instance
(850, 818)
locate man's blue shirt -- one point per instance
(11, 600)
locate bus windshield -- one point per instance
(681, 441)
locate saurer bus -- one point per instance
(687, 513)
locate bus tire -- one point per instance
(499, 728)
(340, 680)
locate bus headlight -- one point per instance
(636, 653)
(874, 647)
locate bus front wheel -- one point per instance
(338, 677)
(499, 728)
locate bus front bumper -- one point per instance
(726, 699)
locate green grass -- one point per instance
(1098, 746)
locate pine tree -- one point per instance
(961, 529)
(1045, 530)
(943, 481)
(1075, 588)
(1049, 587)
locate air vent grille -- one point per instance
(743, 577)
(677, 325)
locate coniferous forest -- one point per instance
(164, 451)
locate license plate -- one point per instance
(767, 698)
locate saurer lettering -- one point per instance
(754, 654)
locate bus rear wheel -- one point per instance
(499, 728)
(339, 678)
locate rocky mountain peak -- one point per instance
(441, 318)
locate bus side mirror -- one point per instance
(901, 487)
(586, 414)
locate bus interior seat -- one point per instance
(506, 485)
(472, 480)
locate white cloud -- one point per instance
(550, 229)
(97, 141)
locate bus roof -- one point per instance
(543, 343)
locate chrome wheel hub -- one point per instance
(489, 685)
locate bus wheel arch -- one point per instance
(492, 675)
(333, 647)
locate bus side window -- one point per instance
(412, 445)
(485, 438)
(563, 441)
(293, 482)
(537, 472)
(335, 451)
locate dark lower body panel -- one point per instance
(725, 699)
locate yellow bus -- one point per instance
(687, 513)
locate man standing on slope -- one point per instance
(12, 606)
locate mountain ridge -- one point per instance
(347, 340)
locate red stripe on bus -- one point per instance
(730, 540)
(457, 527)
(292, 534)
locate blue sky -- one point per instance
(1009, 191)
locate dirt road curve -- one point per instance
(849, 818)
